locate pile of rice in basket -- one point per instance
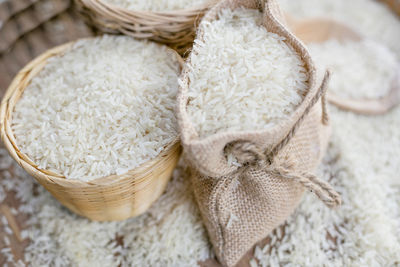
(103, 107)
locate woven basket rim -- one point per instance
(14, 92)
(190, 11)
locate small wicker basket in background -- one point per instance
(175, 28)
(115, 197)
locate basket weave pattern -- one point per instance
(114, 197)
(175, 28)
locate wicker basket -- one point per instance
(174, 28)
(115, 197)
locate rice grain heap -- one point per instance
(238, 70)
(352, 62)
(252, 124)
(104, 107)
(156, 5)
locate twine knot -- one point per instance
(248, 154)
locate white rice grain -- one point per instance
(242, 77)
(103, 107)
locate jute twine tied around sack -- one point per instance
(252, 158)
(248, 154)
(241, 205)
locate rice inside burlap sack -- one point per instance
(241, 205)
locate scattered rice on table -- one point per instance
(170, 233)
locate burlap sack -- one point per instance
(241, 205)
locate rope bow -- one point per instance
(247, 154)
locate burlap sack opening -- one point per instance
(241, 205)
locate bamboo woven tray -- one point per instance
(59, 28)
